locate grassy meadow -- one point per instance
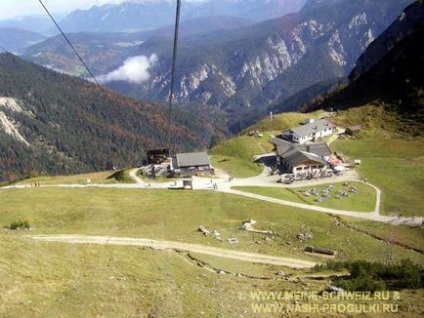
(63, 280)
(281, 122)
(363, 201)
(59, 279)
(391, 159)
(176, 215)
(164, 214)
(394, 165)
(235, 156)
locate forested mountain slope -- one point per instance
(17, 40)
(53, 123)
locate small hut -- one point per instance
(353, 130)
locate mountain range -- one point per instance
(17, 40)
(37, 24)
(389, 74)
(141, 15)
(106, 51)
(254, 68)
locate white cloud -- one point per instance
(135, 70)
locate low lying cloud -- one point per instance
(135, 70)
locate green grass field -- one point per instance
(235, 156)
(58, 279)
(391, 159)
(281, 122)
(147, 213)
(61, 280)
(395, 166)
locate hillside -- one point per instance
(17, 40)
(389, 73)
(77, 279)
(52, 123)
(33, 23)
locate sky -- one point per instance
(15, 8)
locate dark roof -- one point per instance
(283, 147)
(296, 157)
(278, 141)
(320, 148)
(192, 159)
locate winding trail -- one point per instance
(178, 246)
(267, 180)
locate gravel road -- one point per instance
(180, 246)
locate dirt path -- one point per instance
(173, 245)
(133, 175)
(334, 136)
(374, 216)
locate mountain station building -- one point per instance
(301, 158)
(310, 131)
(192, 163)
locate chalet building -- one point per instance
(191, 163)
(310, 131)
(301, 158)
(297, 161)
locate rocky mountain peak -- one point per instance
(407, 22)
